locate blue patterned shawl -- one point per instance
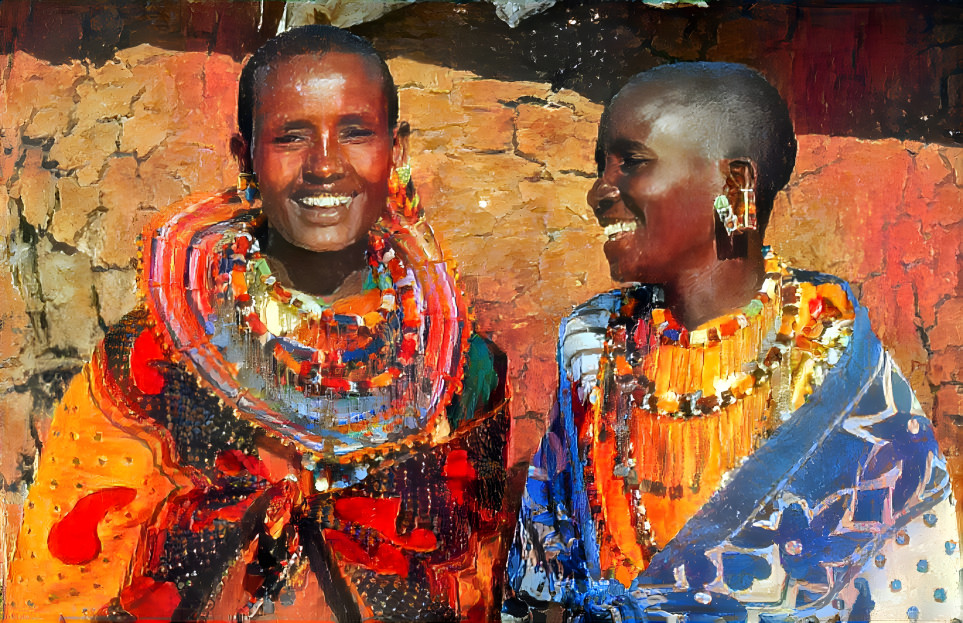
(791, 528)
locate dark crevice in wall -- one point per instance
(871, 70)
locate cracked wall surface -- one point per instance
(90, 151)
(887, 215)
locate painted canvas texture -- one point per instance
(116, 128)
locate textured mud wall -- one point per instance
(888, 216)
(89, 151)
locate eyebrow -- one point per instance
(346, 120)
(626, 144)
(356, 119)
(297, 124)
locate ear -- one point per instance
(740, 173)
(241, 151)
(399, 152)
(735, 237)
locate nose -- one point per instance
(602, 195)
(325, 162)
(605, 191)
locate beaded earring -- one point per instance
(247, 183)
(725, 214)
(738, 218)
(403, 199)
(734, 222)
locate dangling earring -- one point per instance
(733, 223)
(725, 214)
(725, 220)
(247, 183)
(403, 200)
(749, 221)
(404, 172)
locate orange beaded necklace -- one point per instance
(674, 411)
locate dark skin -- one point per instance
(324, 273)
(323, 151)
(655, 192)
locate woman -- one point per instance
(297, 422)
(731, 441)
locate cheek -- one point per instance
(691, 205)
(275, 171)
(373, 164)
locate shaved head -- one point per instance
(731, 111)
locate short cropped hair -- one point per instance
(307, 40)
(748, 118)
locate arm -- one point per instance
(547, 559)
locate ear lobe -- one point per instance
(399, 152)
(241, 151)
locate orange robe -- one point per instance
(158, 496)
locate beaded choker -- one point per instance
(350, 345)
(662, 368)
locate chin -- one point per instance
(634, 274)
(617, 268)
(321, 246)
(331, 240)
(618, 274)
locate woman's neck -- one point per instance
(716, 288)
(321, 273)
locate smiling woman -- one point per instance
(297, 423)
(323, 149)
(731, 442)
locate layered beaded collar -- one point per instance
(662, 368)
(324, 345)
(203, 281)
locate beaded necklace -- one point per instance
(673, 411)
(321, 345)
(665, 369)
(380, 401)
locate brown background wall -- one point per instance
(91, 148)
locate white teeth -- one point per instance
(619, 228)
(325, 201)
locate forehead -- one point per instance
(656, 113)
(332, 78)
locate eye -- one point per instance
(289, 138)
(356, 134)
(632, 162)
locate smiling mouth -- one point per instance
(325, 201)
(613, 230)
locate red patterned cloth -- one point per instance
(174, 487)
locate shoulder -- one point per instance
(825, 282)
(137, 359)
(824, 321)
(130, 349)
(590, 318)
(596, 312)
(592, 309)
(829, 307)
(582, 332)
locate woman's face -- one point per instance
(655, 194)
(322, 149)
